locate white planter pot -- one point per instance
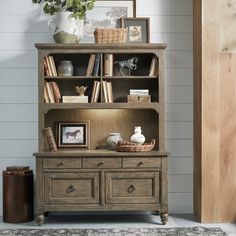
(66, 29)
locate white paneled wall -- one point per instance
(22, 25)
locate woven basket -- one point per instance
(110, 35)
(123, 146)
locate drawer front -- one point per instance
(131, 187)
(62, 163)
(101, 163)
(130, 162)
(71, 188)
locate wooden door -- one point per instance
(215, 110)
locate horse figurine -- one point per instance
(72, 134)
(130, 64)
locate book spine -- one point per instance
(49, 66)
(54, 70)
(46, 96)
(50, 139)
(90, 65)
(56, 92)
(97, 91)
(104, 86)
(96, 65)
(93, 92)
(50, 92)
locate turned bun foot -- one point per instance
(40, 219)
(164, 218)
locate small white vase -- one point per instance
(112, 140)
(137, 137)
(66, 29)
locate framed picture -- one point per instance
(138, 29)
(73, 134)
(106, 14)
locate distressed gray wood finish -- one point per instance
(99, 179)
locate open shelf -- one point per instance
(53, 106)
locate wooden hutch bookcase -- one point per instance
(97, 179)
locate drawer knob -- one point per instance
(60, 164)
(140, 163)
(131, 188)
(70, 189)
(100, 163)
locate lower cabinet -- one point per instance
(101, 184)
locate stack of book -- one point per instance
(18, 170)
(74, 99)
(51, 92)
(139, 95)
(107, 91)
(93, 65)
(49, 66)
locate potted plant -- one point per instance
(67, 27)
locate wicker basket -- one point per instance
(110, 35)
(132, 147)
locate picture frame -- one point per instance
(138, 29)
(73, 134)
(106, 14)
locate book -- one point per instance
(46, 97)
(50, 92)
(109, 92)
(90, 64)
(50, 139)
(139, 92)
(96, 64)
(53, 66)
(97, 90)
(104, 86)
(152, 66)
(50, 73)
(45, 66)
(108, 64)
(56, 91)
(10, 168)
(75, 99)
(93, 91)
(18, 172)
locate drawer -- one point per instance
(101, 163)
(131, 187)
(130, 162)
(62, 163)
(71, 188)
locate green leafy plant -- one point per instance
(77, 8)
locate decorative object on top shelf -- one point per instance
(112, 140)
(81, 90)
(124, 146)
(105, 14)
(138, 29)
(65, 68)
(130, 64)
(110, 35)
(137, 137)
(68, 25)
(73, 134)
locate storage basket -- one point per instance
(123, 146)
(110, 35)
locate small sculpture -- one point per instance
(81, 90)
(130, 64)
(138, 137)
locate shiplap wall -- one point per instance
(21, 25)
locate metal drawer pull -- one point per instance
(100, 163)
(70, 189)
(60, 164)
(131, 188)
(140, 163)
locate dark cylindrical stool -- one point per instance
(18, 194)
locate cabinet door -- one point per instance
(71, 188)
(132, 187)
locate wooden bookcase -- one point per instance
(97, 179)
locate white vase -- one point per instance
(137, 137)
(66, 29)
(112, 140)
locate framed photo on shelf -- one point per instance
(73, 134)
(138, 29)
(106, 14)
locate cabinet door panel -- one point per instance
(71, 188)
(131, 187)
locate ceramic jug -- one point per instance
(66, 29)
(138, 137)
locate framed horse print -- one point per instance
(73, 134)
(138, 29)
